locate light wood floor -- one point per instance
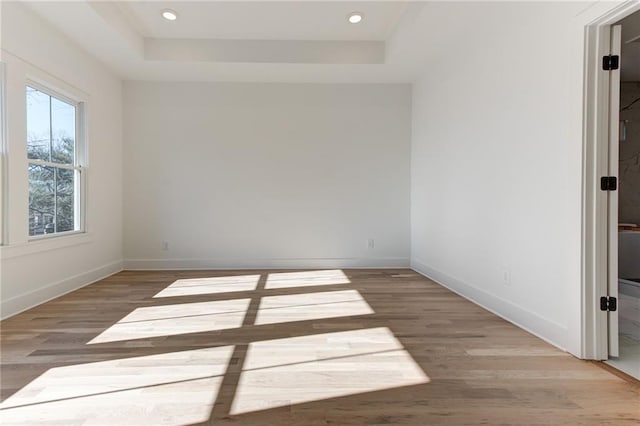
(283, 348)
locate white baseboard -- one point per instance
(233, 263)
(21, 303)
(548, 331)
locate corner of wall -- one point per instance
(22, 302)
(546, 330)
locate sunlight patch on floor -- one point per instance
(306, 279)
(170, 320)
(175, 388)
(294, 370)
(212, 285)
(309, 306)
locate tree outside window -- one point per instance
(54, 172)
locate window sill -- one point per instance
(39, 245)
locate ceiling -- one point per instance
(274, 20)
(294, 41)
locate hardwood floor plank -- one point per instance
(333, 347)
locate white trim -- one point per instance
(594, 206)
(594, 334)
(79, 165)
(4, 188)
(45, 243)
(546, 330)
(612, 196)
(281, 263)
(54, 165)
(53, 235)
(82, 160)
(42, 86)
(21, 303)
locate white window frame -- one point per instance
(79, 166)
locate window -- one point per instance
(53, 152)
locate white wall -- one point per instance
(496, 160)
(32, 272)
(302, 175)
(266, 175)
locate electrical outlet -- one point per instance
(506, 277)
(371, 243)
(165, 245)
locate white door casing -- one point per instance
(612, 196)
(599, 226)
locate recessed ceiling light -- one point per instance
(355, 17)
(169, 15)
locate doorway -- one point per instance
(611, 242)
(625, 214)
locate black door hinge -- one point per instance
(608, 183)
(610, 62)
(609, 304)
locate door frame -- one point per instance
(595, 231)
